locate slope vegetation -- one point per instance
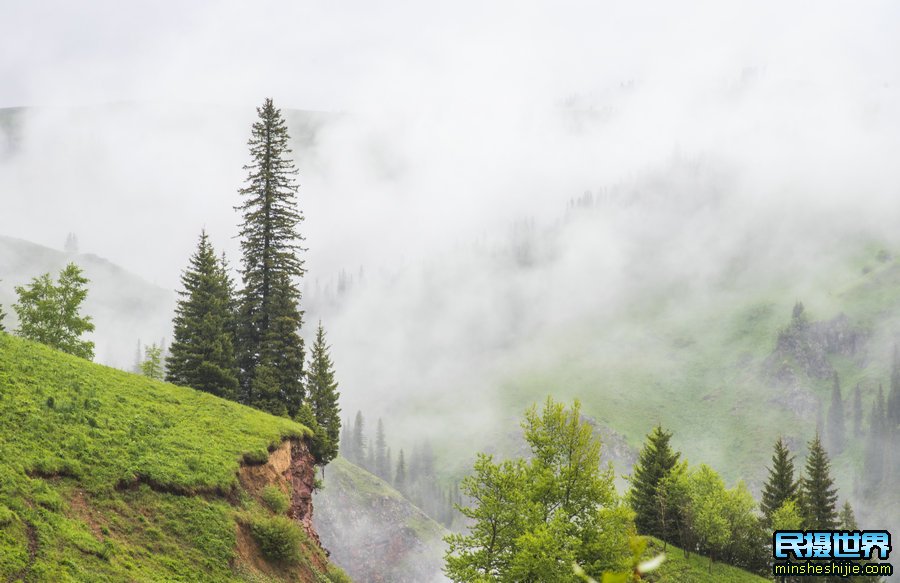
(108, 476)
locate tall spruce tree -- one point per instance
(655, 462)
(358, 440)
(780, 487)
(270, 348)
(202, 352)
(322, 395)
(837, 433)
(818, 494)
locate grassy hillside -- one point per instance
(698, 365)
(694, 569)
(373, 531)
(107, 476)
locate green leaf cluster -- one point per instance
(531, 520)
(49, 312)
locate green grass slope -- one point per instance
(108, 476)
(694, 569)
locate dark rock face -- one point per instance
(303, 482)
(802, 354)
(803, 348)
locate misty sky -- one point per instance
(457, 111)
(453, 121)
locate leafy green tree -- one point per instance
(837, 433)
(748, 542)
(707, 494)
(487, 551)
(202, 352)
(780, 487)
(2, 315)
(323, 395)
(818, 496)
(672, 501)
(49, 313)
(787, 517)
(655, 461)
(152, 366)
(533, 519)
(269, 341)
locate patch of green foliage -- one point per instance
(275, 499)
(109, 476)
(279, 538)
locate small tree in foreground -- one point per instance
(49, 313)
(152, 366)
(534, 519)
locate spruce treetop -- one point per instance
(818, 493)
(270, 349)
(780, 486)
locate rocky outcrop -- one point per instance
(803, 349)
(291, 468)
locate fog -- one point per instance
(739, 143)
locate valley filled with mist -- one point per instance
(679, 216)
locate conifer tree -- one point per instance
(857, 412)
(848, 518)
(382, 469)
(874, 454)
(837, 435)
(780, 486)
(358, 439)
(270, 348)
(655, 462)
(817, 492)
(400, 476)
(893, 402)
(322, 395)
(202, 352)
(50, 313)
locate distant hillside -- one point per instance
(124, 307)
(374, 532)
(108, 476)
